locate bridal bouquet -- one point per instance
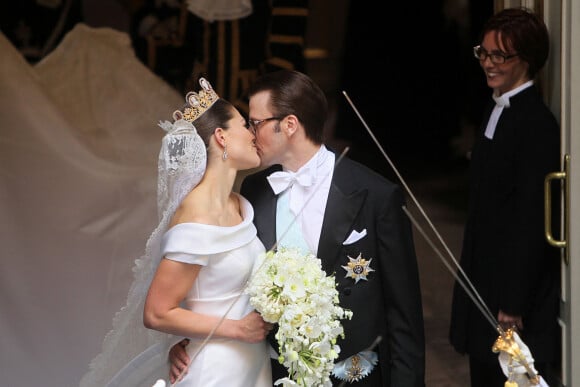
(292, 290)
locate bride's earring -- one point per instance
(225, 154)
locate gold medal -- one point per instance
(358, 268)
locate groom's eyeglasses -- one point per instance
(255, 124)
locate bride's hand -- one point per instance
(253, 328)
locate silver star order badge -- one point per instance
(358, 268)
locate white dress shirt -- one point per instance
(308, 203)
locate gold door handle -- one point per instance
(548, 204)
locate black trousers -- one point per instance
(485, 374)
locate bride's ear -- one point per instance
(219, 135)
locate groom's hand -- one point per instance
(178, 360)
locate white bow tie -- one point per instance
(502, 100)
(281, 180)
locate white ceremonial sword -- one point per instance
(505, 341)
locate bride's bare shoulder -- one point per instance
(193, 209)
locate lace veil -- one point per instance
(181, 165)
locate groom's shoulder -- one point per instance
(362, 174)
(357, 170)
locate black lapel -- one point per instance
(342, 208)
(265, 218)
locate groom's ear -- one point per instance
(291, 124)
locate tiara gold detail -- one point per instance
(197, 103)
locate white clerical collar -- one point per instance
(504, 99)
(501, 102)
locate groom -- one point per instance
(352, 220)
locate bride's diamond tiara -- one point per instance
(197, 103)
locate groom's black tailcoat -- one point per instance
(389, 302)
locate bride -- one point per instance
(190, 281)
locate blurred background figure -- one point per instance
(505, 254)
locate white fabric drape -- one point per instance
(78, 165)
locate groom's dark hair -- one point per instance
(293, 92)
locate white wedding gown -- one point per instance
(228, 255)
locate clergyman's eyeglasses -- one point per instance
(495, 57)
